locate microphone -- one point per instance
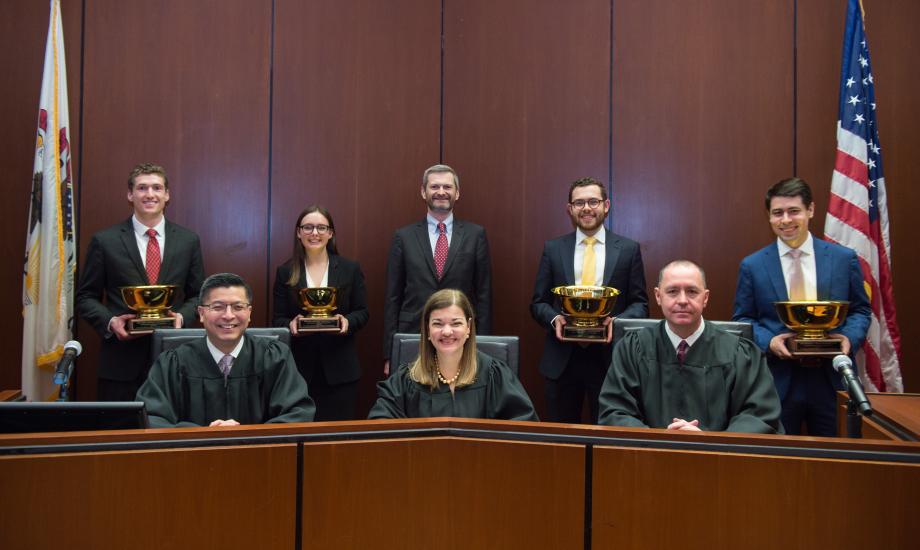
(65, 365)
(844, 366)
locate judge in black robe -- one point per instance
(496, 393)
(186, 388)
(724, 383)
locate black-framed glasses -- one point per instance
(308, 228)
(220, 307)
(581, 203)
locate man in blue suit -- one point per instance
(799, 267)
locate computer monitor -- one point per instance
(71, 416)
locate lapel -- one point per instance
(129, 241)
(775, 273)
(612, 254)
(169, 250)
(568, 258)
(823, 269)
(424, 246)
(459, 233)
(334, 274)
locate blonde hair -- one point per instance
(425, 369)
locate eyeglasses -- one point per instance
(580, 203)
(309, 227)
(220, 307)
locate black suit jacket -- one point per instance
(112, 261)
(412, 278)
(336, 354)
(623, 270)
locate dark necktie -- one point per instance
(153, 257)
(682, 348)
(440, 250)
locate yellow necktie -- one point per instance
(587, 268)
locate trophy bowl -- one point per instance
(319, 303)
(587, 305)
(812, 320)
(151, 302)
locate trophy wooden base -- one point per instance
(307, 325)
(821, 347)
(591, 335)
(141, 325)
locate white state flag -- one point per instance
(50, 259)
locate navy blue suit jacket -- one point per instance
(623, 270)
(761, 282)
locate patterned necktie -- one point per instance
(224, 364)
(440, 250)
(153, 257)
(796, 277)
(590, 263)
(682, 348)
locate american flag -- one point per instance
(857, 214)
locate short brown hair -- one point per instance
(586, 182)
(147, 168)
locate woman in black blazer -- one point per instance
(327, 361)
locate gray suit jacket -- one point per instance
(112, 261)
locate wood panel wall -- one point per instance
(259, 108)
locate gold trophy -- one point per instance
(151, 302)
(810, 321)
(584, 308)
(319, 302)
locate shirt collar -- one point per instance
(675, 339)
(807, 247)
(141, 229)
(433, 223)
(218, 355)
(600, 236)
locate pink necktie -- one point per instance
(682, 348)
(796, 277)
(440, 250)
(153, 257)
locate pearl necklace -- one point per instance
(441, 378)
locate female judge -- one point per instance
(328, 361)
(451, 377)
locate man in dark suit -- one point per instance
(145, 249)
(434, 253)
(588, 256)
(800, 267)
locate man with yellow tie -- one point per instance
(590, 255)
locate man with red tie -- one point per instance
(146, 249)
(435, 253)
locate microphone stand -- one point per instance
(854, 419)
(64, 393)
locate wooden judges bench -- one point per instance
(452, 483)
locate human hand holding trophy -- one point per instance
(319, 303)
(152, 304)
(811, 321)
(586, 311)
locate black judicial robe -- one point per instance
(724, 383)
(495, 393)
(186, 388)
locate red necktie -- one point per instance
(440, 249)
(153, 257)
(682, 348)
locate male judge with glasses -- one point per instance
(145, 249)
(437, 252)
(590, 255)
(225, 378)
